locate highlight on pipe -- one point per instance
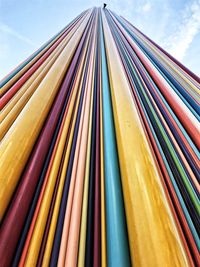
(99, 152)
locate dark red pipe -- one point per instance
(20, 203)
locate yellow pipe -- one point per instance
(16, 104)
(52, 229)
(153, 236)
(25, 129)
(36, 240)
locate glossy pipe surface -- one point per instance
(99, 152)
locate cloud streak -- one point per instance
(6, 47)
(9, 31)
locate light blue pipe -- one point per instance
(116, 232)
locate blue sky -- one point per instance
(26, 24)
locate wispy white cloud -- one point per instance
(10, 31)
(150, 16)
(180, 40)
(146, 7)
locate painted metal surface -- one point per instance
(99, 153)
